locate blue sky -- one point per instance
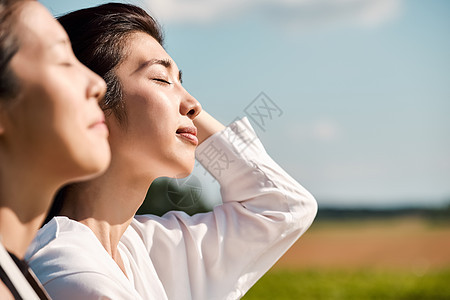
(363, 87)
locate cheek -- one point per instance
(41, 129)
(71, 109)
(152, 114)
(148, 101)
(36, 115)
(71, 119)
(56, 102)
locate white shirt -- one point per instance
(214, 255)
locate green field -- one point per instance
(362, 284)
(371, 258)
(361, 254)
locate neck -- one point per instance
(16, 234)
(107, 204)
(24, 200)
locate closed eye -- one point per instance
(162, 80)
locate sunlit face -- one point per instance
(55, 125)
(159, 135)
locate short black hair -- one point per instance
(98, 36)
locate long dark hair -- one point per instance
(9, 45)
(98, 36)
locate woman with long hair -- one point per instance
(97, 248)
(52, 130)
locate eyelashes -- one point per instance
(161, 81)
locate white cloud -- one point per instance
(298, 13)
(325, 130)
(321, 130)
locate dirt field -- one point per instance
(408, 243)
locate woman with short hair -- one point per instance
(97, 248)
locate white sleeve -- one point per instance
(221, 254)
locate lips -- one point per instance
(189, 134)
(99, 125)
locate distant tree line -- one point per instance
(432, 214)
(168, 194)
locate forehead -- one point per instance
(37, 29)
(142, 47)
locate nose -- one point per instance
(96, 86)
(190, 107)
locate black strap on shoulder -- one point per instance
(29, 276)
(5, 279)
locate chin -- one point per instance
(184, 172)
(182, 169)
(92, 172)
(93, 164)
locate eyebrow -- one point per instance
(164, 62)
